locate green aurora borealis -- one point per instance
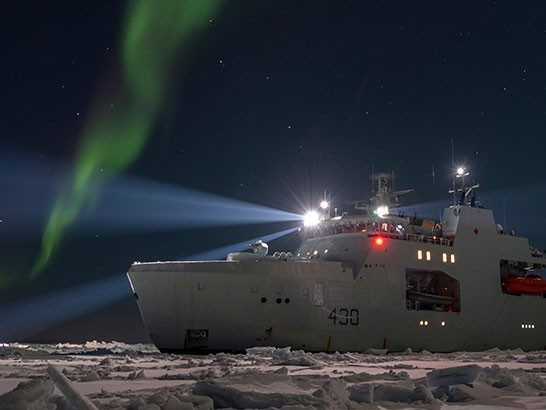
(153, 39)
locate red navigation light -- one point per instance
(378, 241)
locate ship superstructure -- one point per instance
(376, 279)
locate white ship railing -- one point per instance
(339, 230)
(415, 238)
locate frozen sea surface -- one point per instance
(122, 376)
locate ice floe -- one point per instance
(122, 376)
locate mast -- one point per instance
(464, 190)
(453, 172)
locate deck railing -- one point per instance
(435, 240)
(415, 238)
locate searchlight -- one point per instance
(381, 211)
(311, 218)
(461, 172)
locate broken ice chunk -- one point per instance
(453, 375)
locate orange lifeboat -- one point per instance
(525, 285)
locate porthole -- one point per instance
(263, 300)
(279, 300)
(287, 300)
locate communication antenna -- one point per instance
(453, 171)
(504, 214)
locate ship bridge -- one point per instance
(375, 218)
(389, 226)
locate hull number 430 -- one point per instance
(344, 316)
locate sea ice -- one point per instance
(120, 376)
(453, 375)
(31, 394)
(255, 390)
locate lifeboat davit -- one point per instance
(525, 285)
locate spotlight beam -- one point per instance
(29, 316)
(221, 252)
(125, 205)
(162, 205)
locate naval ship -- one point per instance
(373, 278)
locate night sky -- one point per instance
(270, 103)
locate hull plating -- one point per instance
(328, 306)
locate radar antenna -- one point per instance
(383, 195)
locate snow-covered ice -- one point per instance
(118, 375)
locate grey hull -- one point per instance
(322, 305)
